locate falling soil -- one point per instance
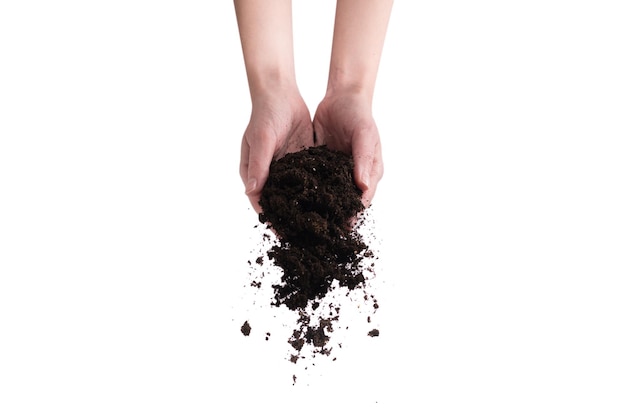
(245, 328)
(374, 333)
(311, 202)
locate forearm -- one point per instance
(265, 29)
(359, 35)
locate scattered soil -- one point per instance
(311, 202)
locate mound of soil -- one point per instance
(312, 203)
(310, 200)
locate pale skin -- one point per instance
(280, 122)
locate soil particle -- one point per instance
(245, 328)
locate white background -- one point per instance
(124, 230)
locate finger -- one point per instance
(243, 161)
(244, 164)
(375, 177)
(364, 151)
(260, 156)
(368, 162)
(318, 133)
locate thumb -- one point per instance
(368, 164)
(259, 159)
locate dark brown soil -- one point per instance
(311, 202)
(245, 328)
(374, 333)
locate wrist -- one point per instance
(271, 82)
(274, 93)
(345, 83)
(350, 89)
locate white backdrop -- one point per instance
(124, 230)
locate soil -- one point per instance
(311, 202)
(245, 328)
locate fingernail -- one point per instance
(250, 186)
(365, 179)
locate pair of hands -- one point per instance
(281, 123)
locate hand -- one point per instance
(280, 123)
(344, 122)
